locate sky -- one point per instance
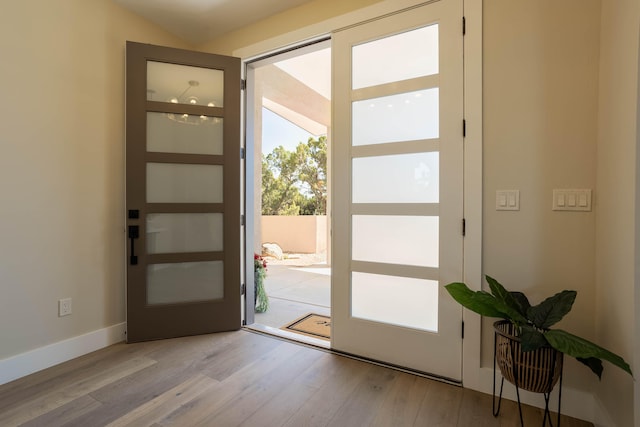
(278, 131)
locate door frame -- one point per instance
(473, 375)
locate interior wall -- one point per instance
(616, 214)
(540, 106)
(293, 19)
(62, 166)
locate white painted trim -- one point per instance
(636, 335)
(40, 358)
(321, 29)
(472, 267)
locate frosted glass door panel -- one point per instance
(400, 178)
(181, 84)
(400, 301)
(194, 232)
(183, 183)
(185, 282)
(396, 58)
(171, 133)
(407, 240)
(403, 117)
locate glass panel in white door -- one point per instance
(396, 239)
(400, 61)
(382, 298)
(402, 117)
(398, 207)
(397, 178)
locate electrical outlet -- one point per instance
(64, 307)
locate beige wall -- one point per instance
(540, 126)
(616, 210)
(305, 234)
(61, 166)
(287, 21)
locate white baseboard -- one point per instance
(35, 360)
(575, 403)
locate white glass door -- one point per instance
(398, 174)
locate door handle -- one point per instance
(134, 233)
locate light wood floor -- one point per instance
(240, 379)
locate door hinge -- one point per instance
(243, 84)
(241, 219)
(464, 25)
(464, 128)
(462, 330)
(243, 289)
(242, 152)
(464, 227)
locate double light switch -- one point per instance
(508, 200)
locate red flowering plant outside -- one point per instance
(259, 262)
(260, 272)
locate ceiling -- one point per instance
(199, 21)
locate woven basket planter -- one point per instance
(537, 371)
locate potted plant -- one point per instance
(527, 351)
(260, 272)
(532, 324)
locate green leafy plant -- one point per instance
(533, 323)
(260, 272)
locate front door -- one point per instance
(183, 192)
(398, 174)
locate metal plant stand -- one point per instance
(532, 372)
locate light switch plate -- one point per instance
(508, 200)
(572, 200)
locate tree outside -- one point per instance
(295, 182)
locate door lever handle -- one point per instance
(134, 233)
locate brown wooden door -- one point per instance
(183, 192)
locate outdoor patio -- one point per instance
(296, 286)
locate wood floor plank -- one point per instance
(260, 392)
(238, 354)
(176, 363)
(440, 406)
(277, 410)
(402, 403)
(361, 405)
(156, 409)
(69, 391)
(342, 379)
(232, 388)
(65, 414)
(43, 382)
(242, 378)
(476, 410)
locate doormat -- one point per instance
(313, 325)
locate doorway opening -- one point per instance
(289, 109)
